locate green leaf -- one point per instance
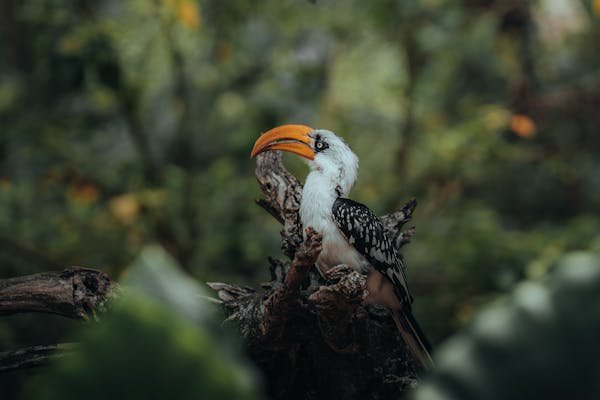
(540, 343)
(157, 275)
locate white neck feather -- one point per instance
(327, 180)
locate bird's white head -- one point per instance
(327, 154)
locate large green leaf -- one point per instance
(540, 343)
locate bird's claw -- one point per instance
(338, 272)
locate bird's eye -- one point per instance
(320, 145)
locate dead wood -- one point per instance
(74, 292)
(78, 293)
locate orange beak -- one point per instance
(292, 138)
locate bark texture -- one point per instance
(73, 293)
(312, 336)
(78, 293)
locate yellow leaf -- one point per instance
(5, 183)
(125, 208)
(522, 125)
(596, 7)
(84, 193)
(189, 14)
(223, 51)
(69, 45)
(464, 312)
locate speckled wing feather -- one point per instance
(364, 230)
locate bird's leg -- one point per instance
(322, 270)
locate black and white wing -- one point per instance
(365, 232)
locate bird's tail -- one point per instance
(413, 336)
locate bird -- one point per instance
(351, 233)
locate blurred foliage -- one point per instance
(159, 341)
(535, 344)
(127, 123)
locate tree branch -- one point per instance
(394, 222)
(283, 194)
(33, 356)
(73, 293)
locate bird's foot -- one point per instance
(338, 272)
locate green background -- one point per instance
(128, 123)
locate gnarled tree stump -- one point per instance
(313, 337)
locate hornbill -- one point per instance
(352, 233)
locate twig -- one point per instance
(394, 222)
(33, 356)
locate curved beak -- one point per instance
(292, 138)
